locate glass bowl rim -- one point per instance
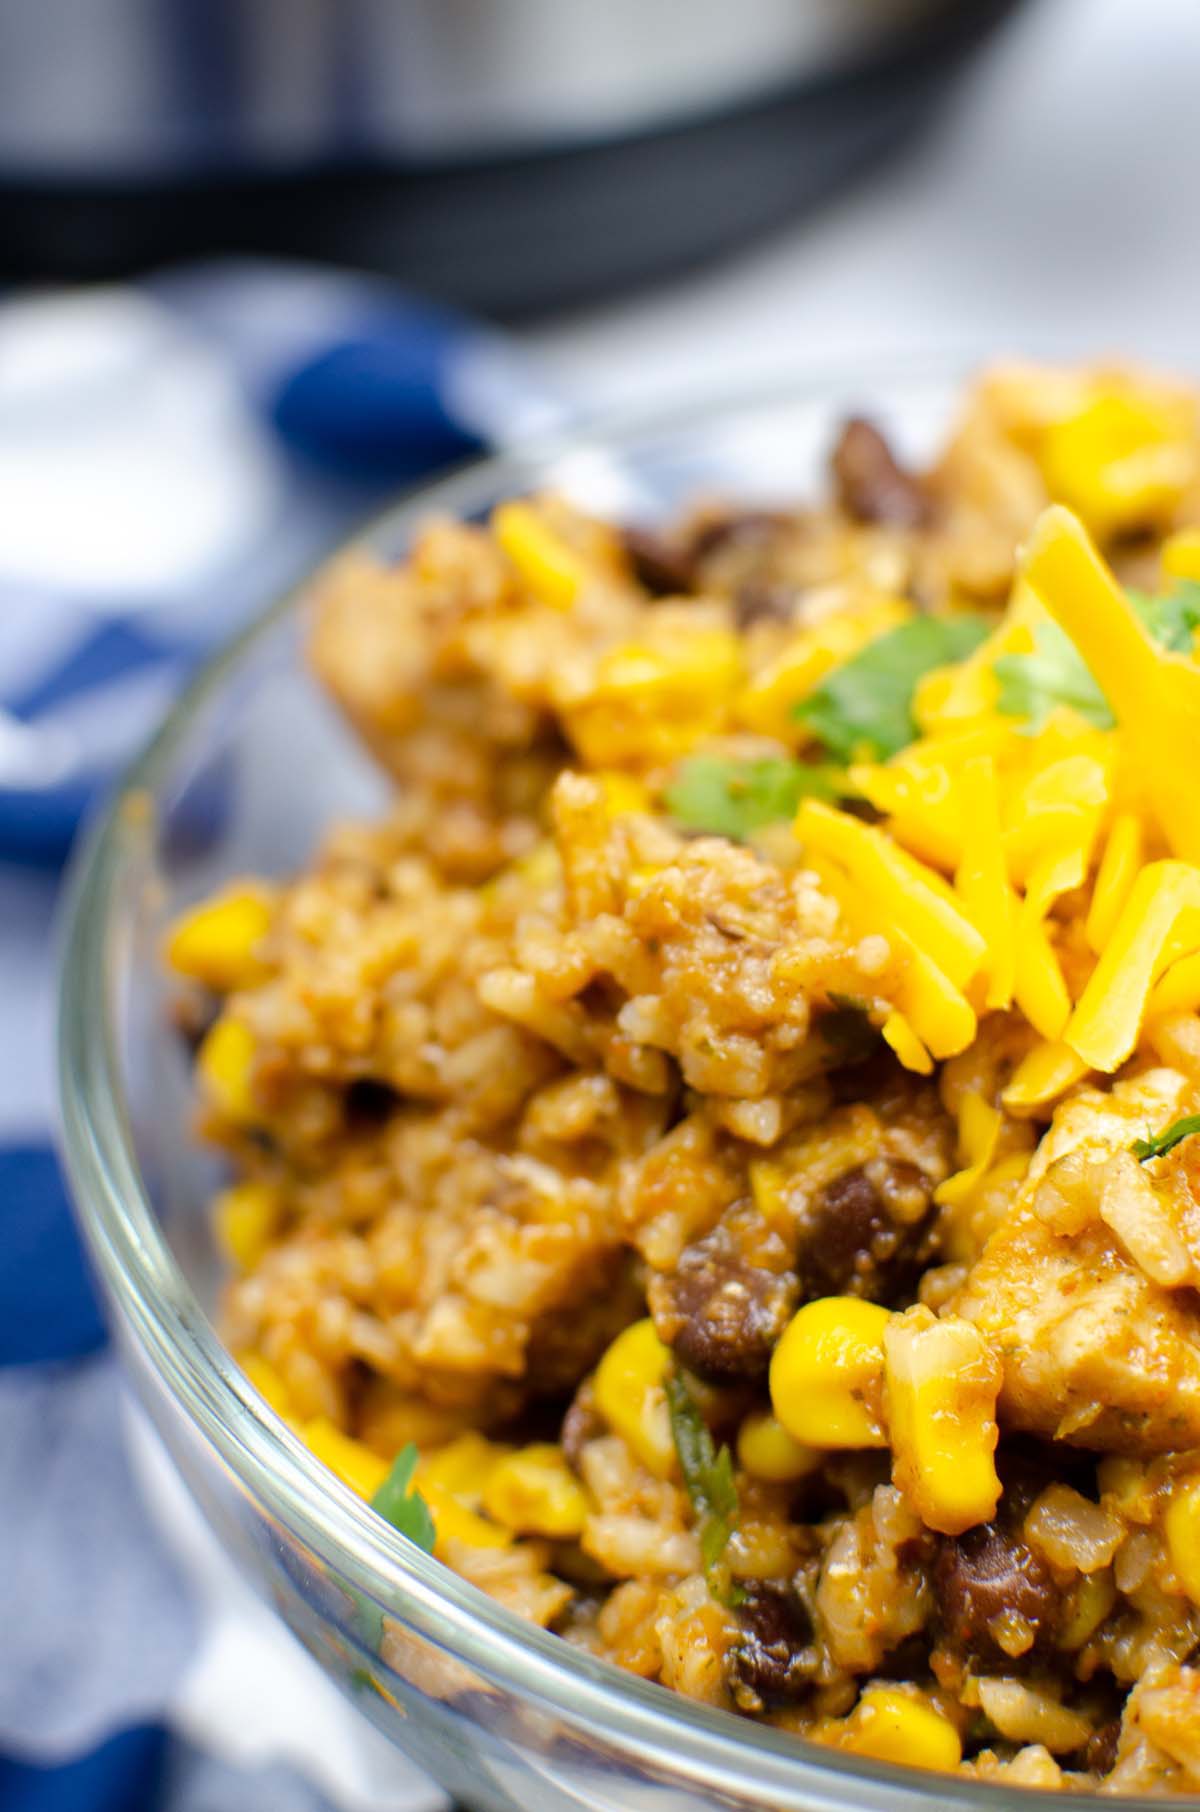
(686, 1740)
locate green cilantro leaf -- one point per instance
(863, 709)
(731, 798)
(1054, 672)
(707, 1471)
(404, 1508)
(1161, 1143)
(1174, 617)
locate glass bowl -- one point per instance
(249, 768)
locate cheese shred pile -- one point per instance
(1056, 872)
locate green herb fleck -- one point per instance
(403, 1507)
(862, 711)
(731, 798)
(1054, 672)
(1172, 618)
(707, 1471)
(1161, 1143)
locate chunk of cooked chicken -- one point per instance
(1087, 1288)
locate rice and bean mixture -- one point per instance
(716, 1161)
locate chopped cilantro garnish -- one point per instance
(863, 709)
(707, 1471)
(1161, 1143)
(731, 798)
(1172, 618)
(1051, 674)
(1054, 672)
(403, 1507)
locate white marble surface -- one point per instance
(1052, 204)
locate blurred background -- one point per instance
(263, 261)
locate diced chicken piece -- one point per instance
(1096, 1350)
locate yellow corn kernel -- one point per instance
(629, 1394)
(353, 1463)
(1181, 555)
(981, 879)
(766, 1450)
(462, 1467)
(455, 1524)
(892, 1725)
(1182, 1528)
(898, 1033)
(942, 1380)
(1154, 695)
(551, 569)
(1115, 876)
(246, 1217)
(1123, 462)
(979, 1126)
(267, 1382)
(1043, 1074)
(223, 1064)
(906, 893)
(1159, 923)
(1092, 1600)
(217, 942)
(827, 1374)
(534, 1492)
(767, 703)
(623, 794)
(651, 702)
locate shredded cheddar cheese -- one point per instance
(1155, 695)
(999, 836)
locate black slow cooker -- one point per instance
(505, 154)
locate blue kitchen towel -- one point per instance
(171, 455)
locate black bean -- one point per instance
(581, 1424)
(369, 1104)
(744, 529)
(773, 1659)
(721, 1314)
(665, 571)
(853, 1245)
(871, 484)
(193, 1016)
(1100, 1751)
(981, 1576)
(760, 601)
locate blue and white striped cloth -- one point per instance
(170, 456)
